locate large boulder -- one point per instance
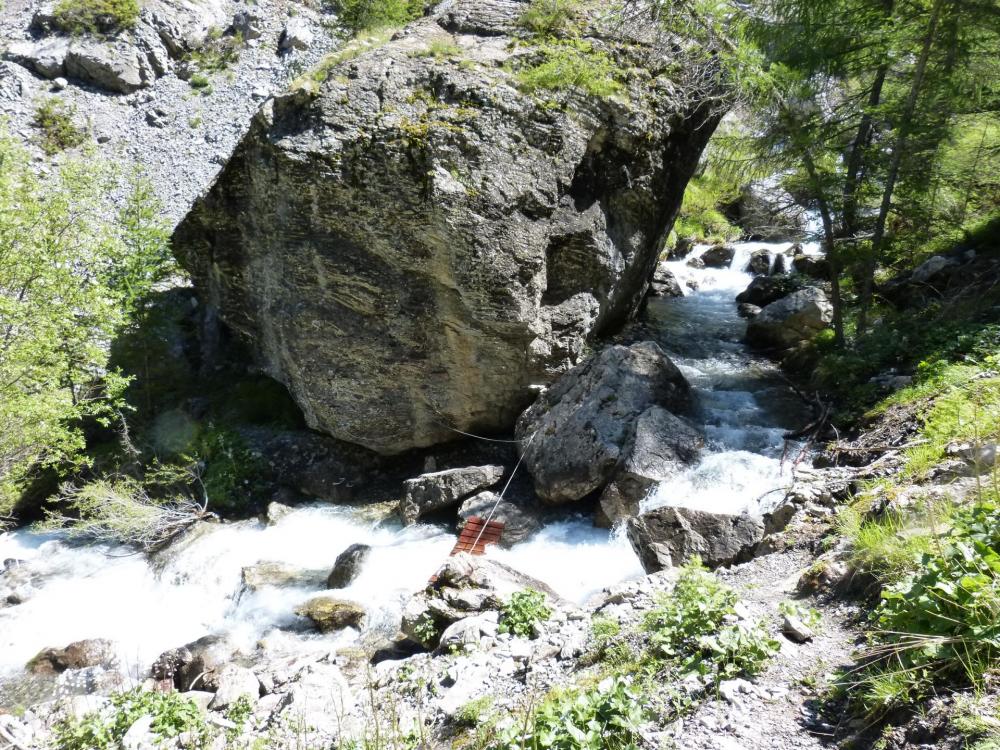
(519, 521)
(443, 489)
(667, 537)
(759, 263)
(415, 243)
(661, 444)
(575, 436)
(328, 613)
(813, 266)
(764, 290)
(791, 321)
(94, 652)
(718, 256)
(664, 283)
(196, 665)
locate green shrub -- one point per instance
(218, 52)
(54, 119)
(940, 626)
(367, 15)
(689, 629)
(172, 714)
(95, 16)
(547, 17)
(892, 545)
(522, 611)
(606, 717)
(574, 65)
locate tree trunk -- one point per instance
(878, 236)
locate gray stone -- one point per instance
(664, 283)
(519, 522)
(46, 57)
(746, 310)
(347, 566)
(93, 652)
(115, 66)
(762, 291)
(718, 256)
(575, 434)
(795, 630)
(443, 489)
(759, 263)
(480, 236)
(660, 446)
(233, 683)
(791, 321)
(667, 537)
(297, 34)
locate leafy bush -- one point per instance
(575, 65)
(95, 16)
(547, 17)
(74, 272)
(367, 15)
(689, 628)
(940, 626)
(54, 119)
(522, 611)
(607, 717)
(172, 714)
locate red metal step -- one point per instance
(475, 535)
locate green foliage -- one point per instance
(172, 714)
(607, 717)
(369, 15)
(218, 52)
(57, 130)
(440, 48)
(572, 65)
(939, 626)
(239, 713)
(891, 545)
(201, 83)
(700, 217)
(522, 611)
(426, 630)
(95, 16)
(356, 47)
(228, 468)
(689, 628)
(810, 616)
(549, 17)
(472, 713)
(74, 271)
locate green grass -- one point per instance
(568, 66)
(95, 16)
(440, 48)
(54, 120)
(359, 45)
(357, 16)
(550, 17)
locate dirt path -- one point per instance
(775, 710)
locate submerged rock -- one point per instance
(578, 433)
(443, 489)
(415, 243)
(791, 321)
(667, 537)
(329, 613)
(347, 566)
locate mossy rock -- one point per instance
(329, 613)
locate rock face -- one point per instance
(347, 566)
(581, 431)
(442, 489)
(413, 244)
(667, 537)
(791, 320)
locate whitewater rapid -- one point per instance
(147, 607)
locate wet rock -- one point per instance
(576, 433)
(813, 266)
(791, 321)
(519, 522)
(347, 566)
(195, 665)
(443, 489)
(233, 683)
(94, 652)
(759, 263)
(762, 291)
(276, 511)
(778, 267)
(746, 310)
(667, 537)
(695, 263)
(665, 284)
(278, 574)
(681, 248)
(518, 228)
(660, 446)
(329, 613)
(718, 256)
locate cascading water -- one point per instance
(146, 607)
